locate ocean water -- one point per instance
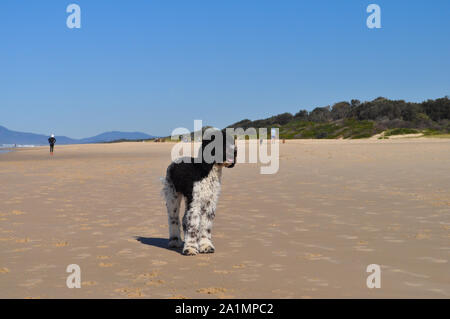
(2, 146)
(5, 148)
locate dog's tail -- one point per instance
(168, 189)
(165, 186)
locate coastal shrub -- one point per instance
(359, 119)
(401, 131)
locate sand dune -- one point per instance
(309, 231)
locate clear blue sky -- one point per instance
(153, 66)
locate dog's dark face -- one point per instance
(225, 144)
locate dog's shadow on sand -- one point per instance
(157, 242)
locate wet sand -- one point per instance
(308, 231)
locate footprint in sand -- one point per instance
(155, 282)
(125, 251)
(362, 248)
(124, 273)
(412, 284)
(370, 229)
(131, 292)
(409, 273)
(280, 253)
(222, 272)
(253, 264)
(280, 292)
(439, 291)
(103, 257)
(202, 264)
(240, 266)
(421, 236)
(147, 276)
(434, 260)
(212, 290)
(311, 256)
(4, 270)
(31, 283)
(89, 283)
(318, 282)
(249, 277)
(347, 236)
(395, 241)
(23, 240)
(41, 267)
(83, 256)
(61, 244)
(79, 248)
(19, 250)
(109, 225)
(159, 262)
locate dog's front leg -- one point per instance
(191, 227)
(205, 243)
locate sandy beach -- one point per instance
(309, 231)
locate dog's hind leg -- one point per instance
(173, 201)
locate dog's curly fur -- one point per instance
(199, 183)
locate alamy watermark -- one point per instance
(374, 19)
(237, 139)
(74, 19)
(74, 279)
(374, 279)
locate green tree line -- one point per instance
(357, 119)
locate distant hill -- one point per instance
(115, 136)
(360, 120)
(13, 137)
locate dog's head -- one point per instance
(218, 148)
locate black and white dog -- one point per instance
(198, 180)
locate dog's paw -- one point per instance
(175, 243)
(207, 248)
(190, 251)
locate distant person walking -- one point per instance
(52, 141)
